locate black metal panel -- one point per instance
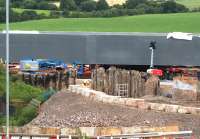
(130, 50)
(103, 48)
(65, 47)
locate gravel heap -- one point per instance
(67, 109)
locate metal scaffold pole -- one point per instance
(7, 69)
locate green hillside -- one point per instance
(191, 4)
(185, 22)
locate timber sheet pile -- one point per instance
(137, 83)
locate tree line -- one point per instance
(88, 8)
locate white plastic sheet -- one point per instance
(180, 35)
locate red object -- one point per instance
(53, 137)
(174, 70)
(157, 72)
(4, 136)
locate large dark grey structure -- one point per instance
(103, 48)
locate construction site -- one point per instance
(109, 85)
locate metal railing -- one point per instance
(171, 135)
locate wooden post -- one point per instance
(66, 79)
(111, 74)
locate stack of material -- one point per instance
(57, 80)
(135, 82)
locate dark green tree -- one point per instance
(172, 7)
(78, 2)
(67, 5)
(29, 4)
(2, 3)
(88, 6)
(45, 5)
(102, 5)
(131, 4)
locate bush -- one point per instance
(14, 16)
(131, 12)
(28, 15)
(80, 14)
(26, 115)
(67, 5)
(65, 13)
(118, 6)
(2, 3)
(88, 6)
(44, 5)
(24, 92)
(29, 4)
(196, 10)
(142, 8)
(102, 5)
(55, 14)
(131, 4)
(172, 7)
(78, 2)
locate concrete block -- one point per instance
(86, 92)
(121, 101)
(70, 88)
(68, 131)
(144, 105)
(157, 106)
(161, 107)
(184, 110)
(197, 111)
(106, 100)
(92, 95)
(108, 131)
(131, 102)
(99, 98)
(171, 108)
(88, 131)
(193, 110)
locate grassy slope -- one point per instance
(190, 3)
(45, 12)
(185, 22)
(19, 92)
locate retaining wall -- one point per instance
(132, 102)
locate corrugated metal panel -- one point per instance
(103, 48)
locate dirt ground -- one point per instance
(166, 100)
(67, 109)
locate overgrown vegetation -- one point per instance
(20, 96)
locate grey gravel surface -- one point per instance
(67, 109)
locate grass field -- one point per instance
(191, 4)
(45, 12)
(185, 22)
